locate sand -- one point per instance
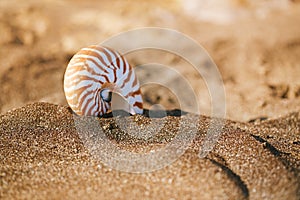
(257, 52)
(48, 153)
(43, 156)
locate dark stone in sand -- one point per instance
(43, 156)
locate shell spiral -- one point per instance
(93, 74)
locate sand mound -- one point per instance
(43, 156)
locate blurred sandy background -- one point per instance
(255, 44)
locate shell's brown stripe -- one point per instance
(84, 103)
(115, 75)
(73, 80)
(72, 70)
(125, 65)
(114, 61)
(138, 104)
(70, 84)
(75, 68)
(95, 73)
(99, 109)
(108, 85)
(84, 107)
(135, 82)
(134, 93)
(127, 78)
(77, 60)
(79, 103)
(94, 54)
(109, 59)
(118, 62)
(97, 64)
(104, 71)
(89, 112)
(76, 80)
(79, 91)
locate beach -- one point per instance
(48, 152)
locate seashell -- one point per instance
(93, 74)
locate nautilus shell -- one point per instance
(93, 74)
